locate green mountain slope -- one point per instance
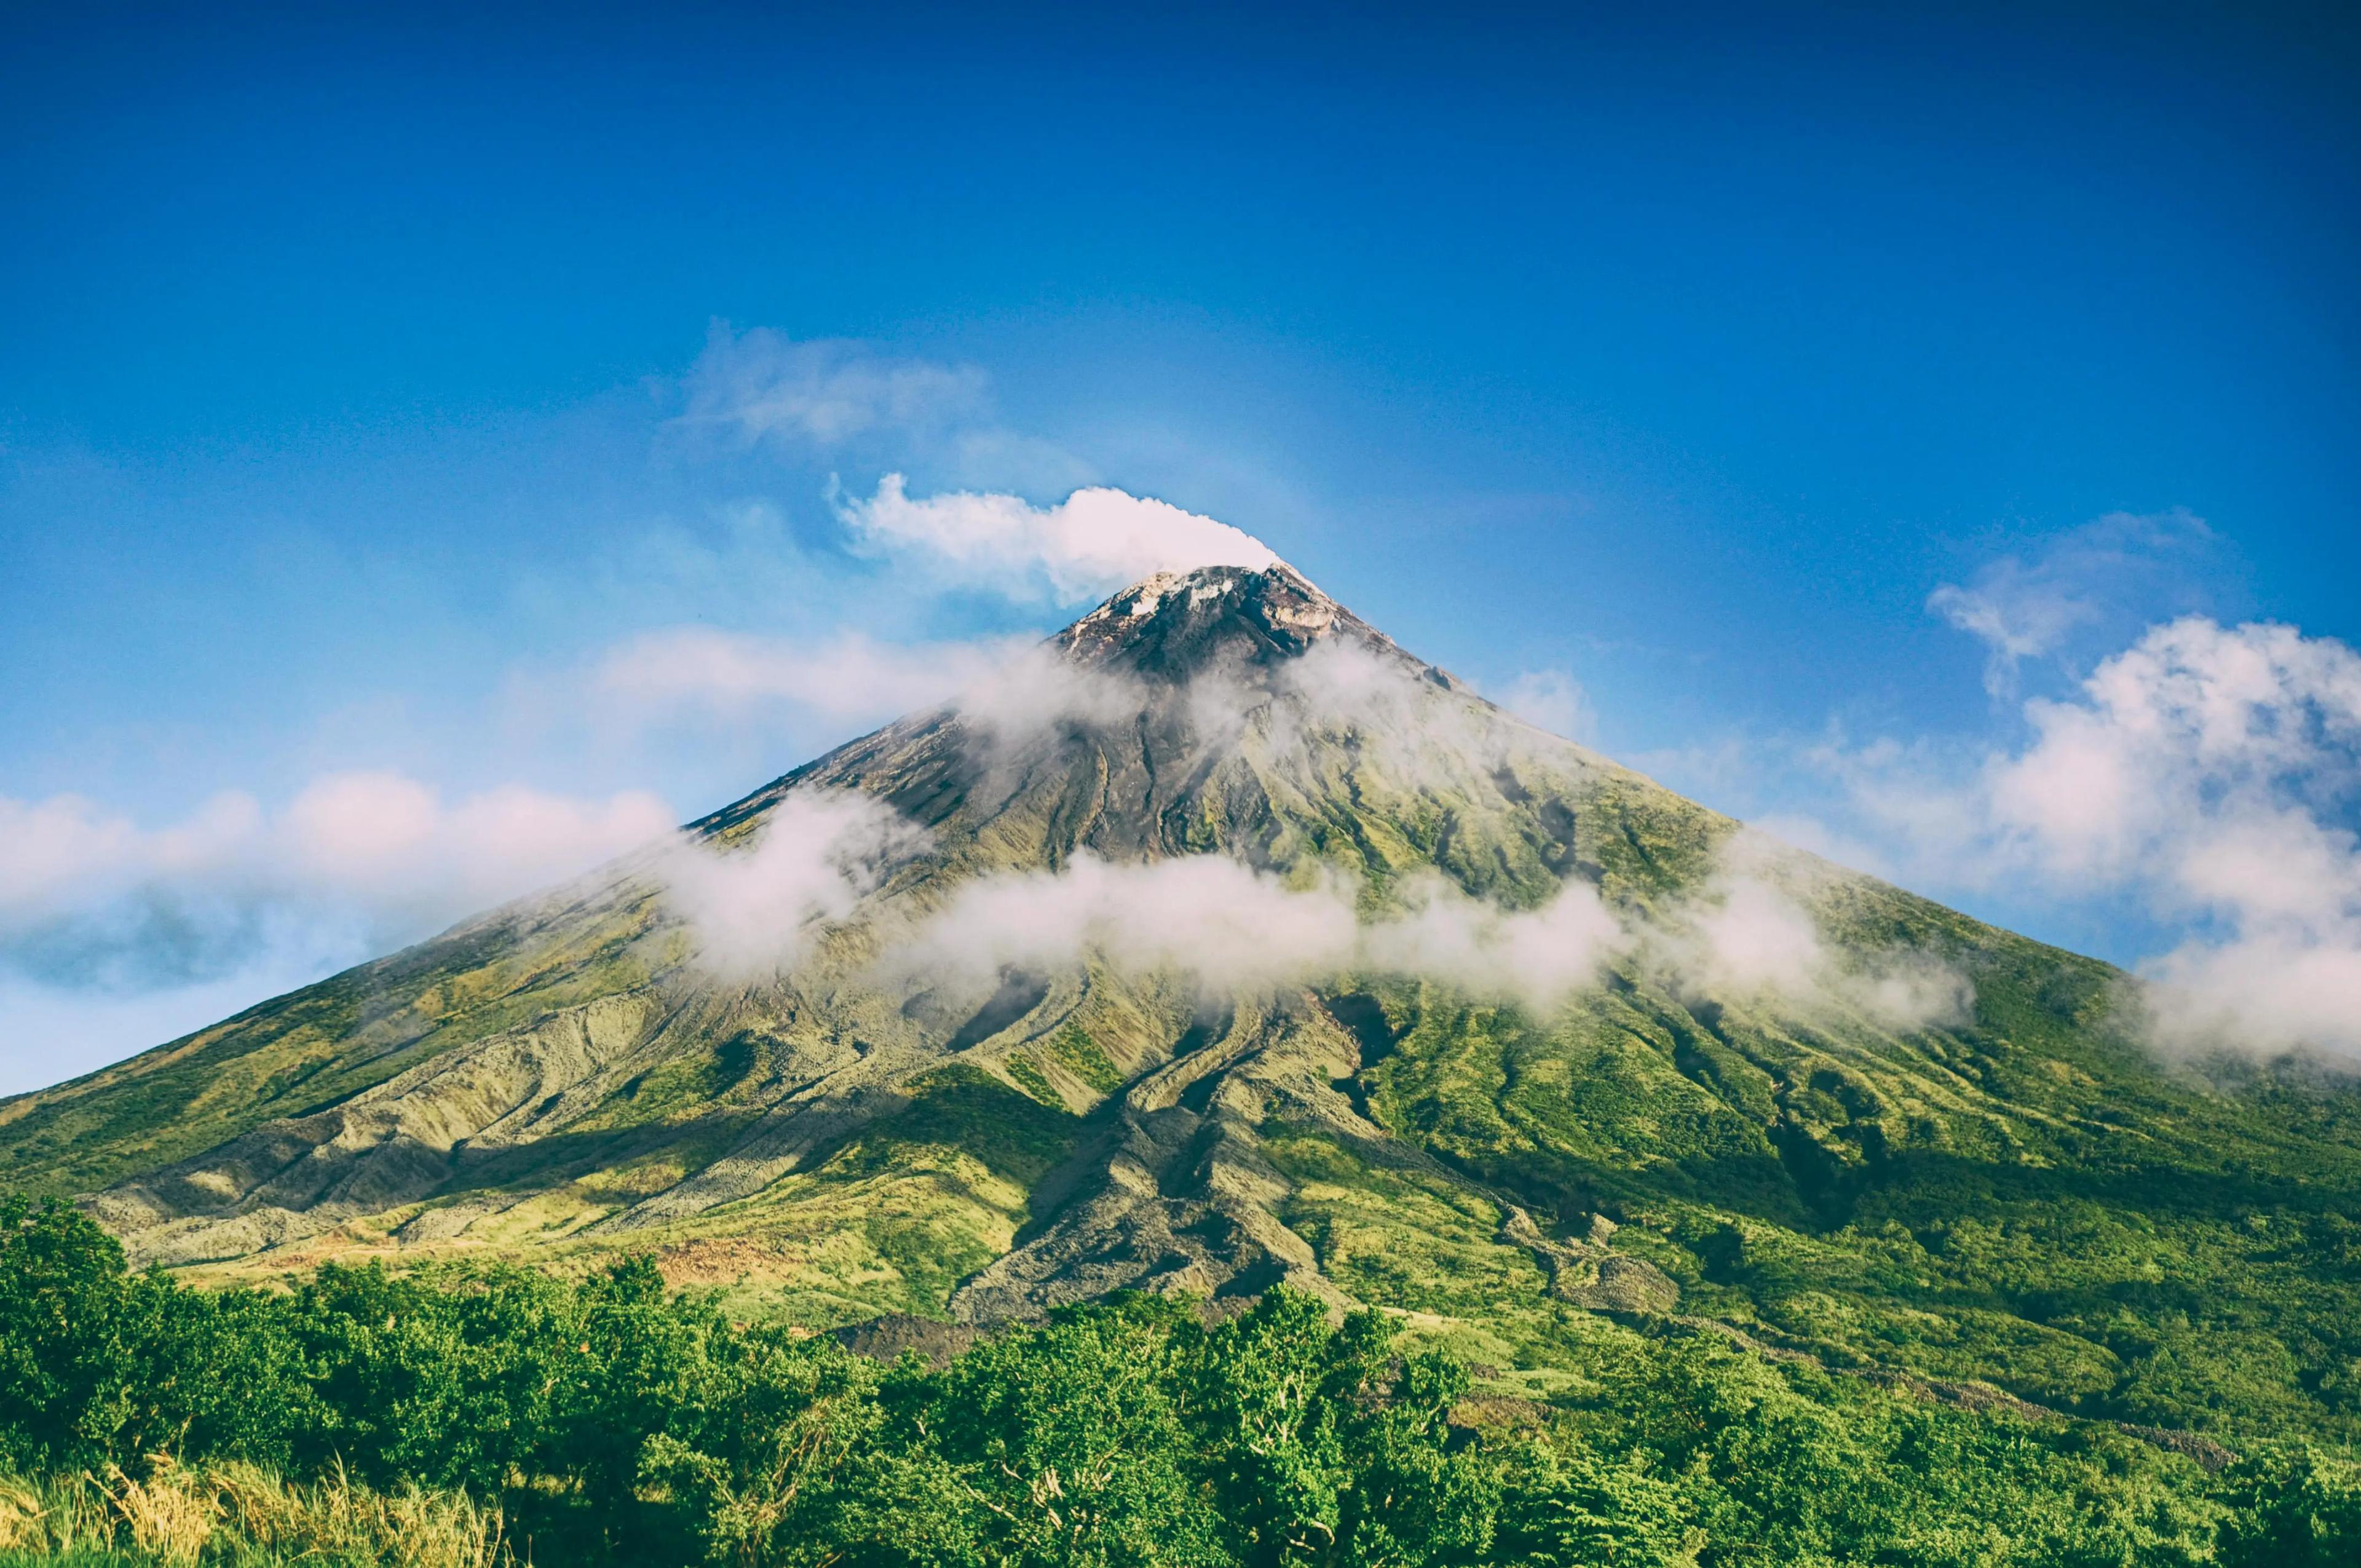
(2002, 1188)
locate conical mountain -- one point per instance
(1226, 942)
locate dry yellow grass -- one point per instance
(241, 1513)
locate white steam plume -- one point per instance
(1094, 540)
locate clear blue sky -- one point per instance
(345, 351)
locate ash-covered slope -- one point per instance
(1911, 1140)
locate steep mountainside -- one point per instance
(1936, 1155)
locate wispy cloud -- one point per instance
(1224, 926)
(1209, 920)
(2030, 605)
(753, 909)
(764, 387)
(114, 936)
(88, 893)
(1227, 927)
(848, 677)
(842, 400)
(1749, 935)
(1552, 700)
(58, 1030)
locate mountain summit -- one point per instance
(1177, 625)
(1223, 942)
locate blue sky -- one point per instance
(1744, 389)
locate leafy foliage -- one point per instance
(613, 1421)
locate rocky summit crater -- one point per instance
(1224, 942)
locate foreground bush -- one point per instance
(514, 1417)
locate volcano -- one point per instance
(1760, 1092)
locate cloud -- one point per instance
(1342, 687)
(2209, 776)
(1816, 838)
(1751, 936)
(734, 675)
(2196, 726)
(57, 1032)
(66, 854)
(764, 387)
(1225, 926)
(1208, 917)
(2218, 769)
(88, 894)
(2268, 992)
(1010, 690)
(1536, 956)
(754, 909)
(1094, 541)
(1552, 700)
(1747, 934)
(2028, 607)
(839, 399)
(2017, 624)
(1036, 690)
(1399, 715)
(386, 841)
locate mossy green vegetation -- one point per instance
(522, 1419)
(301, 1053)
(2015, 1199)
